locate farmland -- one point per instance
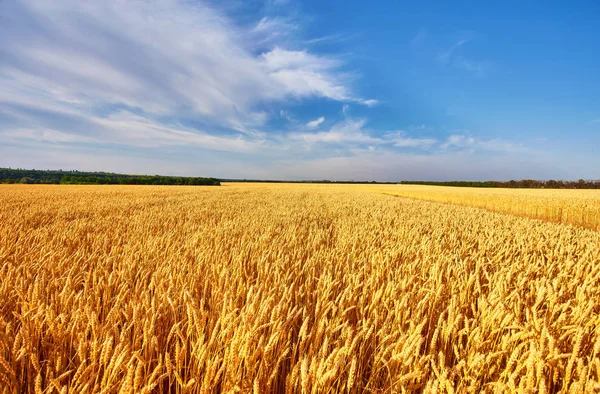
(298, 288)
(575, 207)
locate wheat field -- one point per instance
(566, 206)
(250, 288)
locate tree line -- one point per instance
(522, 184)
(9, 175)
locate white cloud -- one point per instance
(401, 140)
(172, 57)
(166, 58)
(274, 27)
(43, 135)
(349, 133)
(126, 128)
(331, 38)
(315, 123)
(281, 59)
(304, 75)
(462, 141)
(369, 103)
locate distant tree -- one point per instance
(27, 180)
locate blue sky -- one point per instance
(302, 90)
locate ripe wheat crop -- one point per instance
(566, 206)
(289, 289)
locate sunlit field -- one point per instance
(568, 206)
(294, 288)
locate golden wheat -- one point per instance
(292, 288)
(567, 206)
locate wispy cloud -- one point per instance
(313, 124)
(476, 68)
(128, 129)
(269, 31)
(302, 74)
(286, 115)
(400, 139)
(419, 38)
(446, 54)
(462, 141)
(331, 38)
(349, 132)
(164, 59)
(368, 103)
(453, 56)
(352, 135)
(274, 26)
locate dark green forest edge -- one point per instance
(8, 175)
(522, 184)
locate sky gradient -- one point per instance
(340, 90)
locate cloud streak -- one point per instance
(313, 124)
(453, 56)
(461, 141)
(128, 129)
(419, 38)
(349, 133)
(401, 140)
(445, 55)
(171, 58)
